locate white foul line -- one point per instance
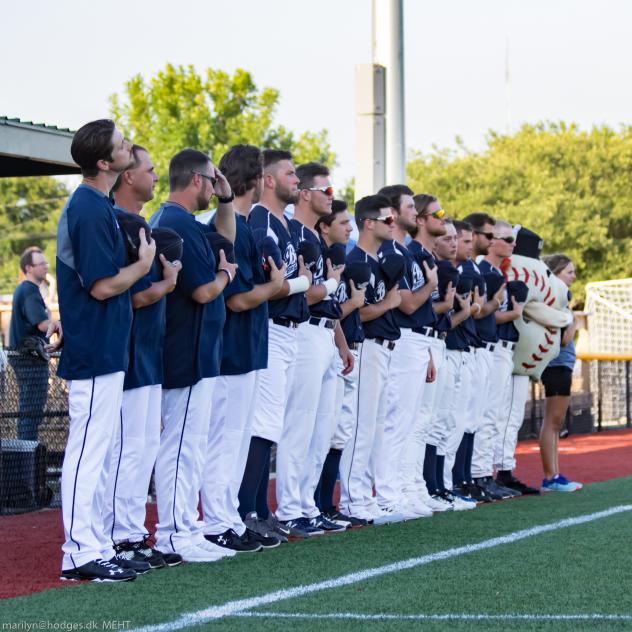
(238, 607)
(436, 617)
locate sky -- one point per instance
(568, 60)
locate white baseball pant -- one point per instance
(186, 415)
(275, 382)
(309, 423)
(234, 401)
(406, 385)
(481, 387)
(504, 457)
(136, 443)
(413, 484)
(356, 464)
(346, 402)
(463, 363)
(495, 411)
(93, 406)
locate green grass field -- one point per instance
(575, 571)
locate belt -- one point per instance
(285, 322)
(389, 344)
(354, 346)
(327, 323)
(433, 333)
(507, 344)
(488, 345)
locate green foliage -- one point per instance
(572, 187)
(211, 111)
(29, 210)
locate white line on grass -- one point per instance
(436, 617)
(231, 608)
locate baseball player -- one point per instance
(375, 220)
(192, 352)
(455, 379)
(410, 358)
(419, 466)
(137, 435)
(96, 317)
(286, 310)
(501, 247)
(310, 415)
(475, 243)
(244, 355)
(335, 230)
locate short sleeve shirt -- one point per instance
(263, 223)
(193, 338)
(329, 306)
(89, 248)
(245, 333)
(28, 311)
(384, 326)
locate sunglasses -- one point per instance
(326, 190)
(507, 240)
(211, 179)
(488, 236)
(389, 220)
(436, 214)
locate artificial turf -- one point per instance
(581, 569)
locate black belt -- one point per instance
(507, 344)
(433, 333)
(389, 344)
(328, 324)
(285, 322)
(354, 346)
(488, 345)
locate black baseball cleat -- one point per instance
(140, 552)
(266, 541)
(511, 482)
(156, 558)
(125, 559)
(477, 493)
(99, 571)
(230, 540)
(492, 489)
(321, 522)
(342, 519)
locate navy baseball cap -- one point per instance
(493, 282)
(219, 242)
(310, 253)
(446, 274)
(337, 254)
(168, 243)
(359, 272)
(517, 290)
(269, 248)
(393, 268)
(131, 224)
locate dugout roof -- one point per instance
(34, 149)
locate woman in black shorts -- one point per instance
(557, 387)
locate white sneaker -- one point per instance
(462, 504)
(418, 508)
(388, 515)
(436, 503)
(192, 553)
(212, 549)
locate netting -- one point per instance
(33, 432)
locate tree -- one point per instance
(29, 210)
(180, 108)
(572, 187)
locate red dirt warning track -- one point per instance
(30, 544)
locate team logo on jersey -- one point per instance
(418, 277)
(341, 293)
(380, 291)
(319, 275)
(435, 294)
(291, 260)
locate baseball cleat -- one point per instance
(233, 542)
(214, 549)
(99, 571)
(301, 528)
(321, 522)
(388, 515)
(517, 485)
(262, 527)
(277, 528)
(126, 559)
(266, 542)
(193, 554)
(142, 552)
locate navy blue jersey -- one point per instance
(90, 247)
(443, 322)
(148, 331)
(28, 311)
(329, 306)
(486, 326)
(292, 307)
(506, 331)
(412, 281)
(246, 332)
(468, 326)
(351, 325)
(193, 338)
(384, 326)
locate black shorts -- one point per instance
(557, 380)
